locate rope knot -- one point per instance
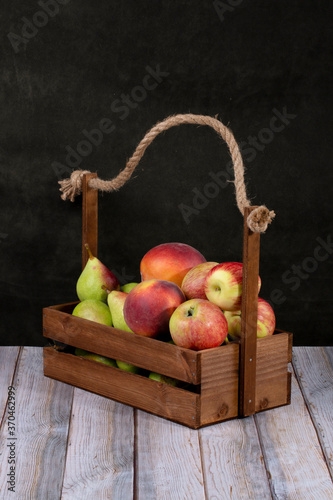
(259, 219)
(73, 186)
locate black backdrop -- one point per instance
(70, 67)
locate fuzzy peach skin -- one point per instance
(265, 322)
(149, 306)
(193, 284)
(169, 262)
(223, 285)
(198, 324)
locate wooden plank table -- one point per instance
(70, 444)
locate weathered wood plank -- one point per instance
(128, 388)
(144, 352)
(168, 460)
(232, 461)
(272, 371)
(292, 453)
(219, 384)
(100, 456)
(314, 372)
(248, 341)
(8, 360)
(42, 410)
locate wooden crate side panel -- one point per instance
(144, 352)
(219, 384)
(154, 397)
(273, 378)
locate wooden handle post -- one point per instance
(248, 344)
(89, 217)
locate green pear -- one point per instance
(127, 367)
(128, 287)
(162, 378)
(94, 275)
(95, 357)
(116, 301)
(94, 310)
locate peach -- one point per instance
(169, 262)
(149, 306)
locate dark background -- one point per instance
(241, 60)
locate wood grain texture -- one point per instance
(273, 380)
(232, 461)
(314, 372)
(8, 360)
(168, 461)
(89, 218)
(219, 384)
(135, 390)
(293, 457)
(248, 341)
(144, 352)
(42, 421)
(100, 456)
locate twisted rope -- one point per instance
(258, 219)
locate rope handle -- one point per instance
(257, 220)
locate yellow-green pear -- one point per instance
(116, 301)
(94, 310)
(127, 367)
(128, 287)
(95, 357)
(94, 275)
(162, 378)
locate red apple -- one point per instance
(265, 322)
(169, 262)
(149, 306)
(223, 285)
(198, 324)
(193, 284)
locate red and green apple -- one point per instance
(198, 324)
(223, 285)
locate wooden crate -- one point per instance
(230, 381)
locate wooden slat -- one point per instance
(42, 412)
(273, 378)
(147, 353)
(89, 217)
(232, 461)
(219, 384)
(168, 460)
(66, 308)
(248, 344)
(8, 360)
(292, 452)
(135, 390)
(100, 456)
(314, 372)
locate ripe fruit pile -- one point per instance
(181, 298)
